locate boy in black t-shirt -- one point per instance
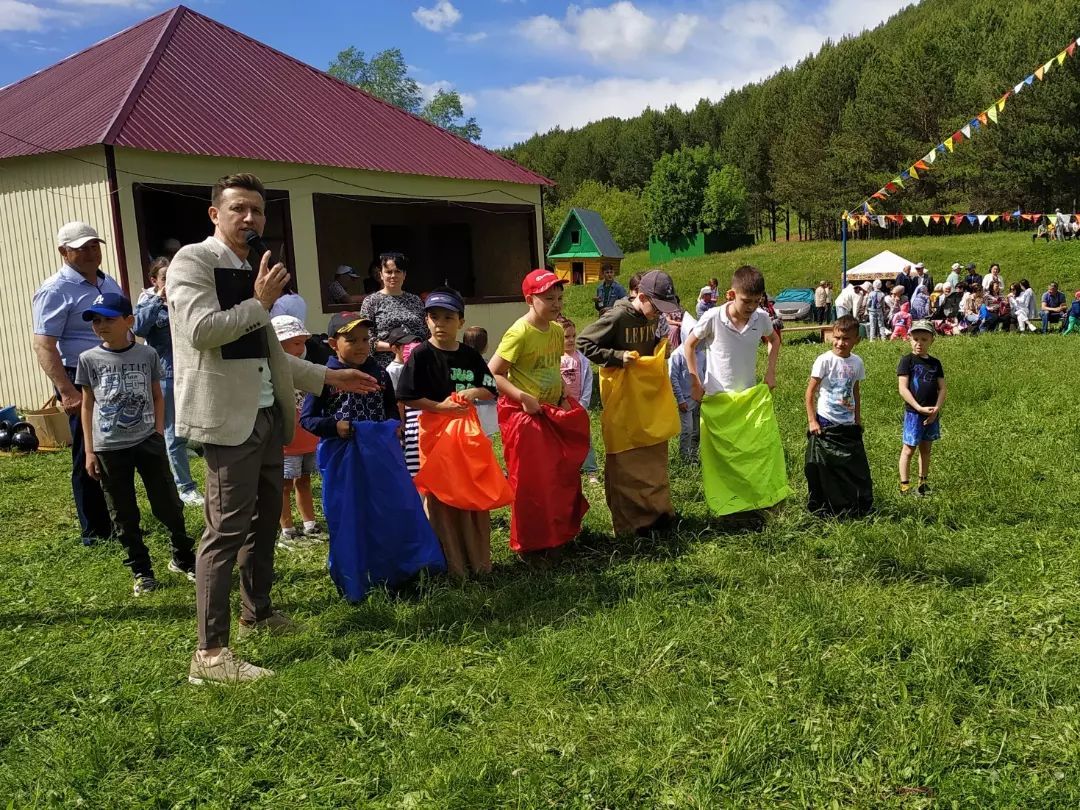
(442, 378)
(922, 387)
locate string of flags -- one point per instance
(885, 220)
(984, 119)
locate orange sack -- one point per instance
(458, 464)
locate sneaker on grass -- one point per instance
(313, 529)
(186, 569)
(276, 624)
(192, 497)
(145, 583)
(224, 668)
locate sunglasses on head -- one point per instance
(395, 255)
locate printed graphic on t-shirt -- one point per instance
(122, 403)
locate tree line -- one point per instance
(816, 139)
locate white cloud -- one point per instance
(620, 32)
(439, 17)
(16, 15)
(625, 57)
(471, 39)
(515, 113)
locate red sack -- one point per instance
(544, 454)
(458, 464)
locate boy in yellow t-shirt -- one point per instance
(545, 437)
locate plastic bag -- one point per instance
(639, 405)
(378, 530)
(742, 459)
(838, 473)
(544, 454)
(458, 464)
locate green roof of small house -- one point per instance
(594, 242)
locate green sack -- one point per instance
(742, 460)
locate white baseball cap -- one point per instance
(76, 234)
(344, 269)
(956, 265)
(920, 266)
(287, 326)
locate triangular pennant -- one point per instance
(925, 219)
(909, 217)
(1071, 48)
(992, 112)
(881, 220)
(1017, 88)
(1047, 66)
(941, 148)
(1026, 217)
(974, 124)
(897, 218)
(1052, 218)
(912, 173)
(957, 219)
(966, 130)
(898, 181)
(905, 175)
(1006, 216)
(972, 219)
(982, 218)
(929, 157)
(936, 217)
(921, 164)
(890, 187)
(983, 117)
(949, 144)
(878, 195)
(1016, 213)
(994, 217)
(1060, 57)
(1031, 79)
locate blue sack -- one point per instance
(379, 533)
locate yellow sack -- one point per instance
(639, 405)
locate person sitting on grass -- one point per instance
(994, 310)
(300, 452)
(1022, 303)
(920, 303)
(123, 419)
(921, 383)
(1073, 323)
(1053, 306)
(971, 305)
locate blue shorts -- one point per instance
(915, 431)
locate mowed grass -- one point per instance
(924, 657)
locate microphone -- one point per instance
(256, 243)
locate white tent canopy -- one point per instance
(884, 266)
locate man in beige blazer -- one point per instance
(235, 395)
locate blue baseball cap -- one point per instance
(108, 305)
(445, 299)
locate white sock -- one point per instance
(309, 525)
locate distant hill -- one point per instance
(818, 138)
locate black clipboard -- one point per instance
(234, 286)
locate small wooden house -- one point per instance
(583, 248)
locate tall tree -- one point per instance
(387, 76)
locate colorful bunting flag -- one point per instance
(972, 219)
(1017, 88)
(983, 117)
(881, 221)
(1052, 218)
(949, 144)
(966, 130)
(1047, 66)
(992, 112)
(936, 217)
(925, 219)
(921, 164)
(957, 219)
(909, 217)
(994, 217)
(981, 218)
(1030, 79)
(1071, 48)
(1060, 57)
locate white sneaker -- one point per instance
(288, 539)
(224, 668)
(191, 497)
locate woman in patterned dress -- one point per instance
(392, 306)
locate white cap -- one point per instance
(956, 265)
(920, 266)
(867, 286)
(287, 326)
(76, 234)
(344, 269)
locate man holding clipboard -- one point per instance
(235, 395)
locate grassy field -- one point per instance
(925, 657)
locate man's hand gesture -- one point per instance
(270, 282)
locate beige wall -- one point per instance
(37, 196)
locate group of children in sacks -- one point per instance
(387, 527)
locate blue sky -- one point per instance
(521, 66)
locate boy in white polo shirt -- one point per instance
(742, 459)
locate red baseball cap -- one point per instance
(539, 281)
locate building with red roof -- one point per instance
(130, 134)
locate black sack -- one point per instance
(837, 472)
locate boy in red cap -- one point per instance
(545, 436)
(640, 412)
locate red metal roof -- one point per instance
(180, 82)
